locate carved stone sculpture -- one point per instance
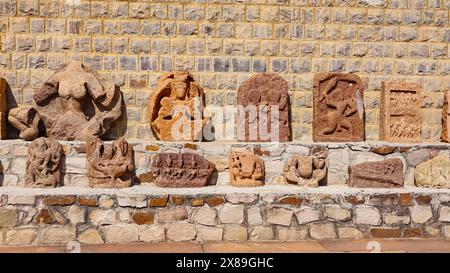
(174, 170)
(445, 136)
(3, 108)
(380, 174)
(73, 104)
(44, 163)
(109, 165)
(246, 169)
(434, 173)
(305, 171)
(176, 108)
(260, 96)
(400, 118)
(338, 107)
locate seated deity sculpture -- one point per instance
(246, 169)
(305, 171)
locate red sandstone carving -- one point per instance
(305, 171)
(181, 170)
(379, 174)
(445, 136)
(246, 169)
(338, 107)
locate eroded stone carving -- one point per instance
(73, 104)
(246, 169)
(174, 170)
(260, 96)
(379, 174)
(176, 108)
(445, 136)
(3, 108)
(109, 165)
(338, 107)
(400, 118)
(305, 171)
(44, 163)
(434, 173)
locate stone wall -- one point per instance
(224, 42)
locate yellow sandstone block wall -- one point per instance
(223, 42)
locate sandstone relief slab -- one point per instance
(44, 160)
(246, 169)
(379, 174)
(175, 109)
(73, 104)
(305, 171)
(109, 165)
(445, 136)
(400, 117)
(265, 104)
(3, 109)
(338, 107)
(434, 173)
(174, 170)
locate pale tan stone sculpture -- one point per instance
(246, 169)
(3, 108)
(305, 171)
(445, 135)
(175, 109)
(433, 173)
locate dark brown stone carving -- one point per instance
(44, 163)
(305, 171)
(246, 169)
(172, 170)
(445, 136)
(109, 165)
(176, 106)
(73, 104)
(264, 91)
(379, 174)
(338, 107)
(3, 108)
(400, 118)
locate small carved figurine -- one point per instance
(305, 171)
(246, 169)
(44, 163)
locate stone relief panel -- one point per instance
(3, 108)
(400, 117)
(305, 171)
(433, 173)
(174, 170)
(338, 113)
(109, 165)
(246, 169)
(175, 109)
(445, 135)
(73, 104)
(380, 174)
(43, 165)
(261, 96)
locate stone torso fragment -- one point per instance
(338, 107)
(174, 170)
(73, 104)
(44, 163)
(109, 165)
(265, 114)
(445, 136)
(400, 118)
(434, 173)
(176, 108)
(246, 169)
(305, 171)
(379, 174)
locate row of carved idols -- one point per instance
(74, 104)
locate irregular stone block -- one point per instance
(24, 236)
(263, 113)
(44, 163)
(180, 232)
(434, 173)
(246, 169)
(400, 118)
(445, 135)
(126, 233)
(322, 231)
(305, 171)
(90, 236)
(420, 214)
(8, 217)
(380, 174)
(181, 170)
(109, 165)
(338, 107)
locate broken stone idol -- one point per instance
(433, 173)
(378, 174)
(246, 169)
(306, 171)
(73, 104)
(43, 166)
(109, 165)
(173, 170)
(176, 107)
(338, 113)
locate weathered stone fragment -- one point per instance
(305, 171)
(379, 174)
(246, 169)
(434, 173)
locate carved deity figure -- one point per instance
(44, 163)
(109, 165)
(174, 170)
(73, 105)
(176, 107)
(260, 96)
(305, 171)
(246, 169)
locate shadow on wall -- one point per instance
(12, 132)
(119, 127)
(2, 176)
